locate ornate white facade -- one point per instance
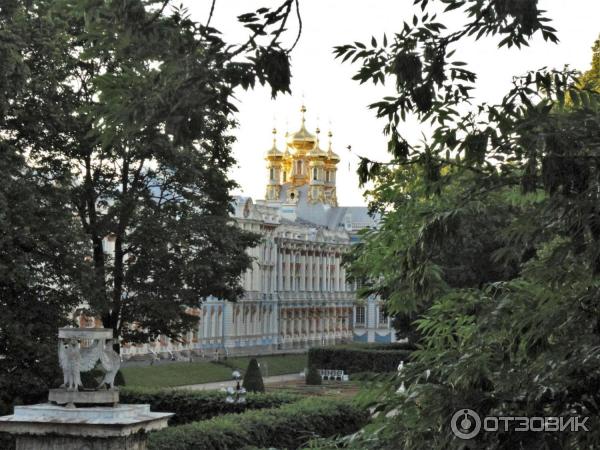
(296, 294)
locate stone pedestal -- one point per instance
(53, 427)
(84, 398)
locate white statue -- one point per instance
(400, 367)
(110, 362)
(70, 362)
(74, 360)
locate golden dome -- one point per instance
(302, 139)
(273, 152)
(316, 151)
(331, 155)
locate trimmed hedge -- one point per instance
(313, 377)
(353, 359)
(377, 346)
(288, 427)
(190, 406)
(253, 381)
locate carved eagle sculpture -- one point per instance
(74, 360)
(111, 363)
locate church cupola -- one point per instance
(302, 169)
(274, 160)
(331, 163)
(302, 141)
(316, 158)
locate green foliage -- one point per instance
(353, 360)
(7, 441)
(287, 427)
(253, 381)
(313, 377)
(40, 279)
(590, 79)
(128, 105)
(190, 406)
(93, 378)
(490, 242)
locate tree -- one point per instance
(40, 280)
(313, 377)
(131, 104)
(519, 341)
(42, 271)
(253, 381)
(591, 78)
(400, 263)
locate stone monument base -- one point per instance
(90, 397)
(133, 442)
(53, 427)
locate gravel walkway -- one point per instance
(223, 384)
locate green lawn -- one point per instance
(272, 364)
(175, 374)
(180, 374)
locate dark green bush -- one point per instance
(377, 346)
(190, 406)
(7, 441)
(396, 346)
(93, 378)
(313, 377)
(353, 359)
(288, 427)
(253, 381)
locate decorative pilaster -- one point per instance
(279, 269)
(303, 271)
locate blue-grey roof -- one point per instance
(352, 218)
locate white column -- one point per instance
(273, 266)
(205, 321)
(216, 325)
(279, 269)
(304, 323)
(337, 273)
(256, 317)
(324, 269)
(310, 263)
(303, 271)
(294, 268)
(288, 271)
(319, 272)
(329, 274)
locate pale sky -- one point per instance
(332, 96)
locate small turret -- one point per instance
(274, 160)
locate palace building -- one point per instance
(296, 293)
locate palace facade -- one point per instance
(296, 293)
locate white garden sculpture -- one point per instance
(75, 359)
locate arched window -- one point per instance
(272, 174)
(315, 173)
(299, 167)
(284, 176)
(327, 176)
